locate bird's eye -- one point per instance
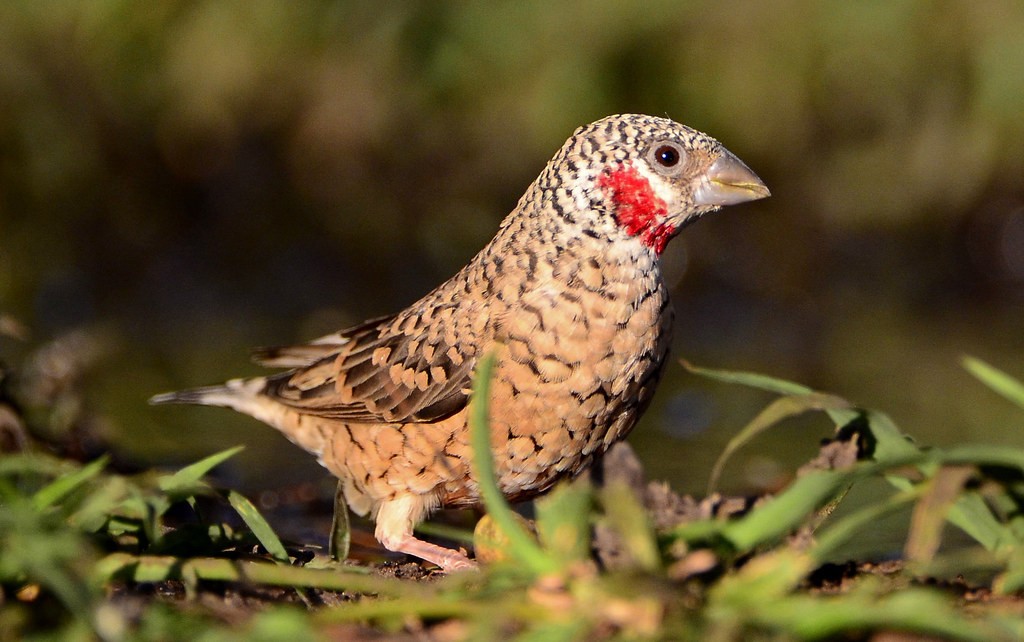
(667, 156)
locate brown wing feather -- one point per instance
(398, 369)
(309, 353)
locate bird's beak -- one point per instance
(728, 182)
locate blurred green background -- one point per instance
(180, 181)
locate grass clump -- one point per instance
(87, 552)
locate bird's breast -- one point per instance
(578, 359)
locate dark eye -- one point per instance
(667, 156)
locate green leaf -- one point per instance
(778, 410)
(627, 517)
(341, 531)
(523, 547)
(749, 379)
(837, 533)
(563, 520)
(786, 511)
(840, 415)
(985, 455)
(153, 568)
(891, 445)
(190, 475)
(66, 484)
(1012, 579)
(932, 510)
(32, 464)
(970, 513)
(996, 379)
(106, 499)
(259, 526)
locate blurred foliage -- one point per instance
(88, 553)
(183, 180)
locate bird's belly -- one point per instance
(565, 390)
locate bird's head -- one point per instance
(648, 177)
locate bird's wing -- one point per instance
(400, 369)
(307, 354)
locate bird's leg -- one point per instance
(395, 519)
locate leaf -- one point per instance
(840, 415)
(491, 543)
(563, 520)
(778, 410)
(749, 379)
(930, 512)
(32, 463)
(997, 380)
(891, 445)
(259, 526)
(341, 531)
(970, 512)
(106, 499)
(840, 531)
(66, 484)
(765, 579)
(1012, 579)
(985, 455)
(628, 518)
(786, 511)
(522, 546)
(153, 568)
(190, 475)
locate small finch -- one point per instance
(569, 296)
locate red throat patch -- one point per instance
(638, 210)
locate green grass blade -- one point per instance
(522, 546)
(1012, 579)
(932, 510)
(836, 534)
(64, 485)
(891, 445)
(970, 512)
(984, 455)
(627, 517)
(786, 511)
(563, 520)
(840, 415)
(341, 530)
(190, 475)
(259, 526)
(106, 499)
(749, 379)
(997, 380)
(31, 464)
(154, 568)
(779, 410)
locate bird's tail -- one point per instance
(245, 396)
(238, 394)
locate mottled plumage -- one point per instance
(570, 296)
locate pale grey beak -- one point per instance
(728, 182)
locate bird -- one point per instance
(569, 297)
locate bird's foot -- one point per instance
(448, 559)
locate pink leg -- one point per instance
(395, 520)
